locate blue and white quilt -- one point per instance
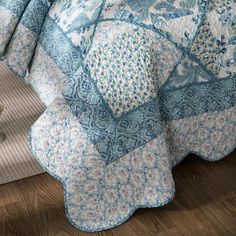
(131, 88)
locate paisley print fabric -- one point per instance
(131, 88)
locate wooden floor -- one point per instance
(205, 204)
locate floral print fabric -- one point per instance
(131, 88)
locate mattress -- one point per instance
(21, 109)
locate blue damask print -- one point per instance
(31, 12)
(187, 72)
(115, 137)
(68, 57)
(16, 6)
(120, 136)
(35, 21)
(188, 3)
(139, 6)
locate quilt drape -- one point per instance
(131, 88)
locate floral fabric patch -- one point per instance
(129, 64)
(177, 19)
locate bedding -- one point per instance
(131, 88)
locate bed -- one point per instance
(129, 88)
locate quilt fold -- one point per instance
(131, 88)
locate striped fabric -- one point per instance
(22, 108)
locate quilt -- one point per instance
(131, 88)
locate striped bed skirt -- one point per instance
(21, 109)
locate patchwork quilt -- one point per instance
(131, 88)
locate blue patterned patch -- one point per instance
(115, 137)
(160, 16)
(196, 98)
(16, 6)
(28, 17)
(34, 21)
(67, 56)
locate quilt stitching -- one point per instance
(111, 163)
(116, 136)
